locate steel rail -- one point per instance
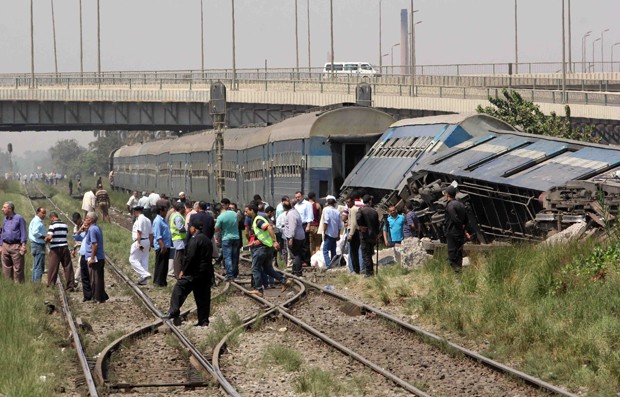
(77, 342)
(466, 352)
(200, 358)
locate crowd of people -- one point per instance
(191, 239)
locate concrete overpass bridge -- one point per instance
(178, 101)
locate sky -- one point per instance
(165, 35)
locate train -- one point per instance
(516, 186)
(313, 151)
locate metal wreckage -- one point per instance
(516, 186)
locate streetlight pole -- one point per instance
(54, 38)
(516, 42)
(234, 49)
(331, 33)
(380, 33)
(563, 58)
(98, 39)
(296, 40)
(593, 51)
(308, 14)
(570, 42)
(202, 40)
(392, 56)
(583, 50)
(81, 44)
(412, 51)
(602, 55)
(32, 42)
(612, 55)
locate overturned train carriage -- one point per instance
(517, 186)
(309, 152)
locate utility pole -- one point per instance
(32, 44)
(516, 42)
(202, 40)
(234, 49)
(331, 33)
(563, 58)
(380, 34)
(296, 40)
(412, 50)
(309, 58)
(54, 38)
(98, 40)
(81, 44)
(570, 42)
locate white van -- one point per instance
(343, 69)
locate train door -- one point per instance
(345, 157)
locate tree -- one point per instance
(526, 116)
(105, 144)
(65, 154)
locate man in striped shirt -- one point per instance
(59, 252)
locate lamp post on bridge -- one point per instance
(516, 42)
(81, 44)
(296, 41)
(98, 39)
(331, 33)
(32, 44)
(583, 51)
(392, 56)
(309, 52)
(612, 55)
(234, 60)
(202, 40)
(593, 52)
(380, 34)
(54, 39)
(602, 55)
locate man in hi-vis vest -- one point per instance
(178, 232)
(262, 243)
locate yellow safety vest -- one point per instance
(176, 234)
(262, 235)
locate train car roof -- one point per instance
(339, 122)
(523, 160)
(154, 148)
(201, 142)
(127, 150)
(406, 142)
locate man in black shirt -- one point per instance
(455, 224)
(195, 276)
(368, 223)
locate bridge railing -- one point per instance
(538, 89)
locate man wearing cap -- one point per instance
(142, 237)
(182, 199)
(455, 225)
(333, 226)
(195, 276)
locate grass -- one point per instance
(318, 383)
(219, 328)
(290, 360)
(30, 352)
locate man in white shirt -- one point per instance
(142, 236)
(133, 201)
(88, 201)
(304, 207)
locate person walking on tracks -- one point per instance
(162, 242)
(455, 224)
(262, 251)
(142, 239)
(368, 224)
(195, 276)
(79, 234)
(59, 252)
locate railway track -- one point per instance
(365, 350)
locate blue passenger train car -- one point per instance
(309, 152)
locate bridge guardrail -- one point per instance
(192, 87)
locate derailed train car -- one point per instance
(516, 186)
(309, 152)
